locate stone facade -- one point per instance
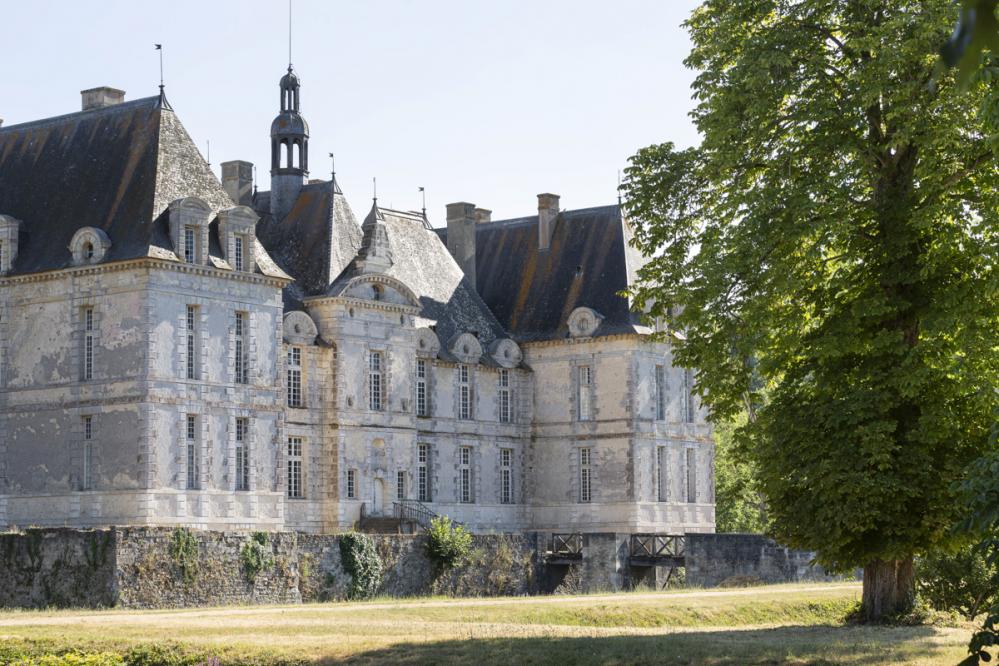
(229, 360)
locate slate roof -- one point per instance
(314, 242)
(532, 292)
(422, 262)
(117, 169)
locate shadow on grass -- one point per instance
(783, 645)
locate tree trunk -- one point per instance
(889, 589)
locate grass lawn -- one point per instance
(765, 625)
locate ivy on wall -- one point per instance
(360, 560)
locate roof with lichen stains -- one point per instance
(314, 242)
(115, 168)
(422, 262)
(532, 291)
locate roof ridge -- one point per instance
(63, 117)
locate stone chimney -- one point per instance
(98, 98)
(547, 214)
(1, 122)
(237, 179)
(461, 220)
(483, 216)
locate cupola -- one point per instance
(289, 148)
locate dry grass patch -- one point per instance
(767, 625)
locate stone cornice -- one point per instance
(363, 302)
(145, 262)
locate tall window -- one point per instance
(295, 377)
(584, 392)
(662, 480)
(242, 455)
(423, 472)
(660, 393)
(375, 381)
(464, 393)
(585, 475)
(688, 391)
(242, 369)
(400, 485)
(691, 476)
(87, 478)
(505, 402)
(87, 371)
(193, 462)
(465, 474)
(192, 342)
(295, 468)
(237, 254)
(351, 484)
(190, 244)
(422, 402)
(506, 476)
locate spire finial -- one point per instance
(332, 168)
(289, 35)
(423, 191)
(374, 189)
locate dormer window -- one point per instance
(9, 228)
(238, 249)
(189, 220)
(89, 246)
(190, 245)
(237, 232)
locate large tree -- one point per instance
(831, 250)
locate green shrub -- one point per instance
(360, 560)
(255, 556)
(184, 553)
(448, 543)
(963, 582)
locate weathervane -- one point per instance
(159, 47)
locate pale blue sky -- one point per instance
(486, 102)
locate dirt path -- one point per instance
(31, 618)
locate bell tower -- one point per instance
(289, 148)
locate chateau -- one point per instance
(177, 349)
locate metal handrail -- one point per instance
(414, 511)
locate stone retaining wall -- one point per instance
(138, 567)
(745, 559)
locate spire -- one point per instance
(375, 255)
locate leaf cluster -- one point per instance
(255, 556)
(185, 553)
(361, 560)
(448, 543)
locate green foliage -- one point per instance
(739, 505)
(184, 553)
(977, 30)
(843, 215)
(360, 560)
(829, 252)
(74, 659)
(980, 490)
(255, 556)
(963, 581)
(448, 543)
